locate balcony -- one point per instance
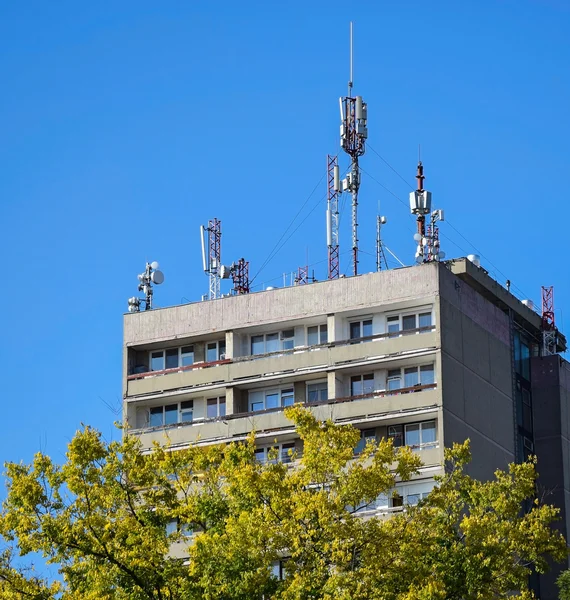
(267, 423)
(299, 360)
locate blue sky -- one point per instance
(125, 125)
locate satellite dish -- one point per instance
(157, 277)
(154, 265)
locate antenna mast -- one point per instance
(212, 261)
(548, 324)
(333, 193)
(379, 245)
(353, 134)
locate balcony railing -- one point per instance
(296, 350)
(329, 401)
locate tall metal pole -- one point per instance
(378, 245)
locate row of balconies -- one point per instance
(297, 361)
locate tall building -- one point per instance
(426, 355)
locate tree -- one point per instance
(105, 516)
(563, 583)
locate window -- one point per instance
(273, 342)
(171, 358)
(171, 527)
(404, 495)
(366, 435)
(408, 323)
(527, 410)
(416, 435)
(360, 329)
(317, 392)
(176, 526)
(420, 435)
(273, 454)
(186, 356)
(216, 407)
(164, 415)
(268, 399)
(171, 413)
(412, 377)
(362, 384)
(278, 569)
(215, 351)
(186, 411)
(317, 335)
(394, 381)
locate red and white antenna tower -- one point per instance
(353, 134)
(302, 277)
(333, 193)
(548, 325)
(240, 276)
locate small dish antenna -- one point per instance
(150, 276)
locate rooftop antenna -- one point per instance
(240, 276)
(427, 239)
(150, 276)
(353, 134)
(333, 194)
(212, 255)
(379, 245)
(548, 324)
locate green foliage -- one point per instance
(563, 583)
(102, 518)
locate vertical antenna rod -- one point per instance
(353, 134)
(333, 193)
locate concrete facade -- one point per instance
(428, 355)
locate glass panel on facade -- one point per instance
(212, 352)
(157, 361)
(393, 324)
(413, 435)
(408, 322)
(156, 416)
(394, 379)
(256, 405)
(172, 358)
(312, 336)
(317, 392)
(396, 434)
(212, 408)
(170, 414)
(186, 356)
(323, 335)
(427, 376)
(186, 411)
(424, 320)
(288, 339)
(355, 330)
(368, 383)
(287, 397)
(257, 344)
(411, 377)
(367, 328)
(428, 432)
(272, 400)
(356, 385)
(272, 342)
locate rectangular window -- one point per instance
(171, 358)
(393, 325)
(156, 416)
(216, 407)
(316, 335)
(427, 376)
(157, 360)
(286, 452)
(165, 415)
(171, 414)
(408, 322)
(526, 410)
(361, 329)
(394, 381)
(317, 392)
(215, 351)
(421, 435)
(186, 411)
(186, 356)
(288, 339)
(396, 434)
(411, 377)
(270, 399)
(274, 454)
(273, 342)
(424, 320)
(366, 435)
(171, 527)
(362, 384)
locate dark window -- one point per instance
(172, 358)
(408, 322)
(396, 434)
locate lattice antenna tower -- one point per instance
(548, 324)
(211, 237)
(353, 134)
(240, 276)
(426, 238)
(333, 194)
